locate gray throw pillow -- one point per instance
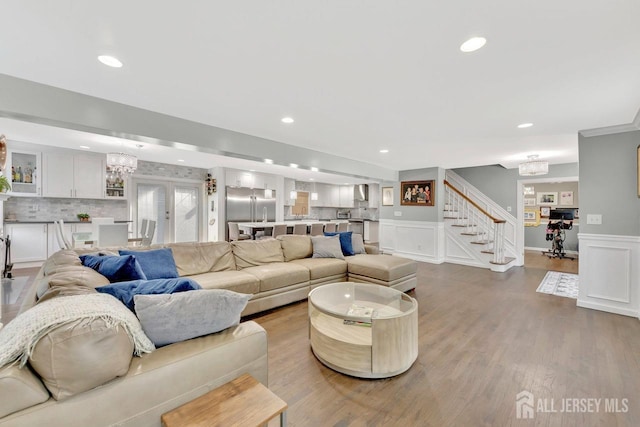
(358, 244)
(327, 247)
(169, 318)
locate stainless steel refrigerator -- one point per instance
(249, 205)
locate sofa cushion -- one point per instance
(237, 281)
(115, 268)
(250, 253)
(320, 268)
(156, 263)
(70, 276)
(202, 257)
(345, 241)
(357, 242)
(20, 388)
(167, 319)
(383, 267)
(295, 246)
(326, 247)
(278, 275)
(58, 288)
(81, 355)
(59, 259)
(125, 291)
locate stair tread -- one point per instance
(463, 225)
(487, 252)
(507, 260)
(471, 234)
(481, 242)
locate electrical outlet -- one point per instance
(594, 219)
(508, 208)
(397, 213)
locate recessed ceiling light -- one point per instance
(293, 165)
(310, 179)
(524, 125)
(181, 160)
(268, 161)
(287, 120)
(85, 147)
(110, 61)
(474, 43)
(314, 169)
(384, 151)
(252, 170)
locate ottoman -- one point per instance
(386, 270)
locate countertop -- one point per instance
(35, 221)
(362, 220)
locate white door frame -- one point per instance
(520, 201)
(170, 184)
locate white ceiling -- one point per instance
(356, 76)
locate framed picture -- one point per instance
(549, 199)
(566, 198)
(545, 211)
(387, 196)
(576, 214)
(417, 193)
(531, 217)
(529, 201)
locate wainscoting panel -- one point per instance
(610, 273)
(418, 240)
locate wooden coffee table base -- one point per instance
(241, 402)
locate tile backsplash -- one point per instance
(49, 209)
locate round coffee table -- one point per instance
(363, 330)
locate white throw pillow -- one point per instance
(327, 247)
(358, 244)
(169, 318)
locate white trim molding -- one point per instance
(608, 130)
(417, 240)
(610, 273)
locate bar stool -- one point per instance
(300, 229)
(317, 229)
(330, 227)
(343, 226)
(279, 230)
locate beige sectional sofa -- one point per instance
(276, 272)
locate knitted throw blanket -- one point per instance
(19, 337)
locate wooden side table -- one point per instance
(241, 402)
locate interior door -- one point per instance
(175, 206)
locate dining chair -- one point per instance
(330, 227)
(317, 229)
(343, 226)
(110, 235)
(142, 233)
(279, 230)
(95, 228)
(234, 233)
(300, 229)
(148, 237)
(65, 242)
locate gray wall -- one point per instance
(609, 183)
(535, 237)
(416, 213)
(501, 185)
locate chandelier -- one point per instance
(533, 167)
(122, 163)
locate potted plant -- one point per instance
(83, 217)
(4, 184)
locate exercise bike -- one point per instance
(556, 235)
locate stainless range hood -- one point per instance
(361, 192)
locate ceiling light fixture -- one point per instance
(268, 161)
(181, 160)
(293, 165)
(287, 120)
(533, 166)
(384, 151)
(110, 61)
(122, 163)
(473, 44)
(85, 147)
(524, 125)
(314, 169)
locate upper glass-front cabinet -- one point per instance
(24, 170)
(115, 185)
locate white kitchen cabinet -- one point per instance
(24, 171)
(289, 186)
(52, 240)
(320, 189)
(28, 242)
(374, 196)
(334, 196)
(73, 176)
(238, 178)
(346, 196)
(371, 234)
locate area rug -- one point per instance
(561, 284)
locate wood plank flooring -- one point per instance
(483, 338)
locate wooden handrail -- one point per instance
(464, 196)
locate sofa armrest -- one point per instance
(372, 250)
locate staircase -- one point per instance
(478, 231)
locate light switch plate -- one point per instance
(508, 208)
(594, 219)
(397, 213)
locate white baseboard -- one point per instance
(607, 308)
(529, 248)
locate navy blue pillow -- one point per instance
(125, 291)
(115, 268)
(156, 264)
(345, 242)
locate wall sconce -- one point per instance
(293, 195)
(211, 185)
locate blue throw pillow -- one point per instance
(125, 291)
(115, 268)
(345, 242)
(156, 264)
